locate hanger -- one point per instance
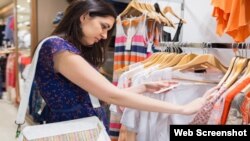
(162, 16)
(231, 65)
(153, 57)
(151, 9)
(203, 59)
(145, 9)
(236, 71)
(246, 74)
(173, 61)
(185, 59)
(135, 8)
(169, 9)
(132, 9)
(159, 60)
(246, 90)
(158, 17)
(247, 71)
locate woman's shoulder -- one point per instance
(57, 43)
(53, 40)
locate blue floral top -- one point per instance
(64, 100)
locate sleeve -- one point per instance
(56, 45)
(49, 48)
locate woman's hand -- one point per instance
(195, 105)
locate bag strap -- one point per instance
(25, 92)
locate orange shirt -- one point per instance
(233, 18)
(230, 96)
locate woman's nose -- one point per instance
(104, 35)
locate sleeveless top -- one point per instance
(64, 100)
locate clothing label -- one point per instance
(166, 89)
(149, 47)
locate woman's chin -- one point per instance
(89, 44)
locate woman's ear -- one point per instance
(83, 17)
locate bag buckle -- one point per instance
(18, 130)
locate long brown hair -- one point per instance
(70, 29)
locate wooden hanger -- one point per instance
(187, 58)
(245, 75)
(151, 9)
(148, 11)
(236, 71)
(158, 17)
(173, 61)
(132, 21)
(131, 9)
(203, 59)
(162, 16)
(169, 9)
(230, 68)
(135, 8)
(152, 62)
(159, 60)
(152, 57)
(247, 71)
(168, 58)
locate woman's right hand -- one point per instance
(195, 105)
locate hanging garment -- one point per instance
(245, 109)
(115, 112)
(8, 32)
(3, 63)
(221, 107)
(2, 28)
(145, 76)
(178, 32)
(130, 46)
(166, 36)
(233, 18)
(203, 115)
(235, 115)
(221, 11)
(150, 126)
(239, 30)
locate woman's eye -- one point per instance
(103, 26)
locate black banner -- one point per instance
(198, 132)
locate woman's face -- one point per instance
(95, 28)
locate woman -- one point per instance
(66, 70)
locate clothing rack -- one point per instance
(208, 45)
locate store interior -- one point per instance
(186, 25)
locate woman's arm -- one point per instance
(77, 70)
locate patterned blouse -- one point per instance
(64, 100)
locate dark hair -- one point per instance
(69, 28)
